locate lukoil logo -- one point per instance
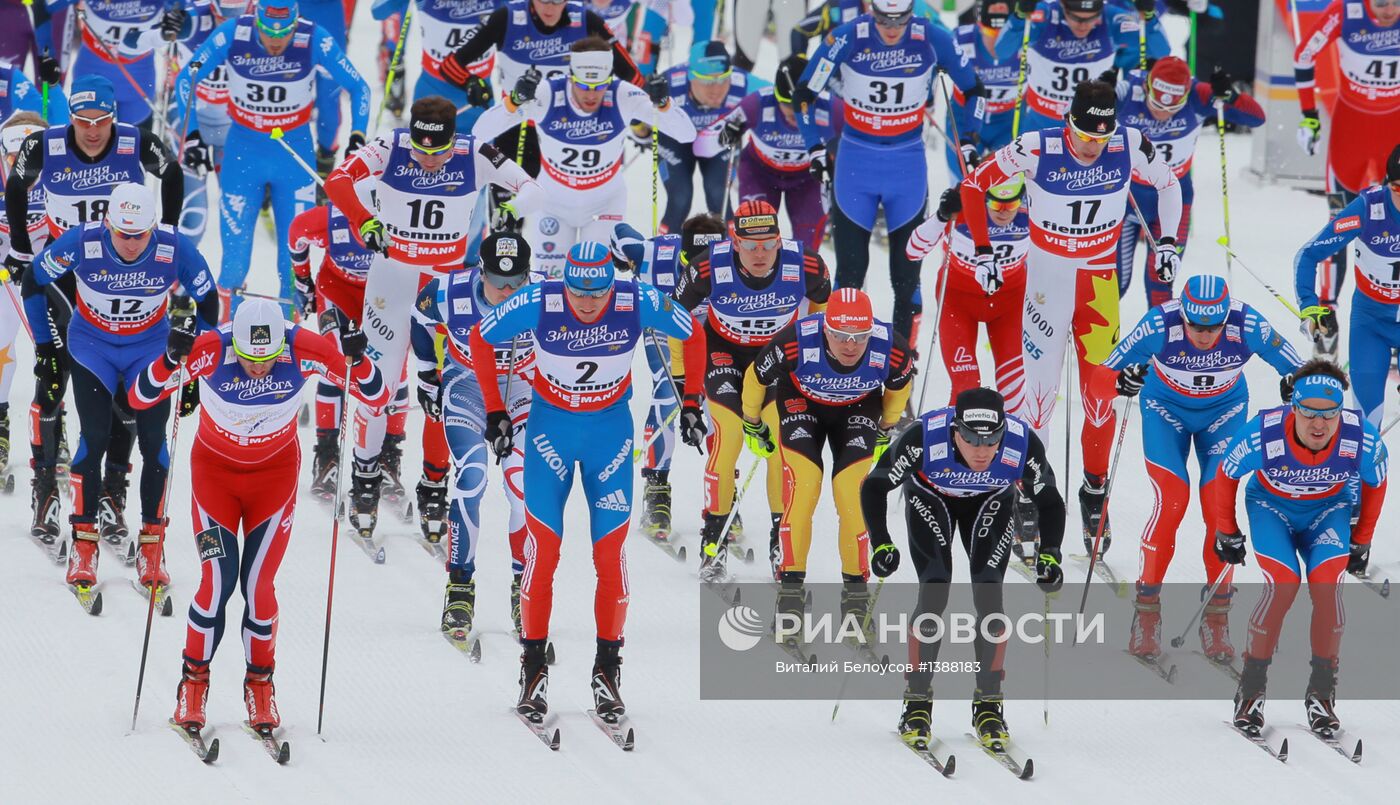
(741, 628)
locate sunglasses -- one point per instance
(998, 205)
(591, 85)
(504, 283)
(893, 20)
(768, 244)
(981, 438)
(264, 359)
(1384, 3)
(123, 235)
(429, 151)
(711, 78)
(276, 33)
(551, 2)
(1084, 20)
(1395, 186)
(95, 121)
(1308, 412)
(1085, 137)
(598, 294)
(849, 336)
(1205, 328)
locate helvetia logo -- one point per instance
(740, 628)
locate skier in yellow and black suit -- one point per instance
(841, 378)
(752, 286)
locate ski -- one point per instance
(280, 751)
(55, 549)
(208, 753)
(662, 540)
(467, 643)
(124, 550)
(1008, 755)
(1105, 574)
(374, 552)
(739, 552)
(164, 605)
(794, 648)
(932, 751)
(619, 732)
(1381, 588)
(89, 598)
(1340, 740)
(543, 729)
(1159, 665)
(1265, 740)
(1227, 668)
(1026, 569)
(434, 549)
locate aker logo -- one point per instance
(209, 544)
(1346, 224)
(260, 335)
(614, 502)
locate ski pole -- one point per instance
(113, 58)
(335, 534)
(729, 174)
(1142, 42)
(1180, 640)
(1224, 180)
(33, 33)
(1103, 516)
(956, 142)
(14, 300)
(1393, 421)
(656, 434)
(1225, 244)
(160, 545)
(278, 134)
(655, 177)
(938, 306)
(1021, 80)
(864, 630)
(189, 104)
(734, 509)
(1191, 49)
(250, 295)
(661, 356)
(395, 63)
(510, 375)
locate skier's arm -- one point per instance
(1334, 237)
(1008, 42)
(366, 163)
(1244, 110)
(427, 314)
(1144, 341)
(58, 258)
(925, 238)
(810, 27)
(1245, 455)
(1038, 483)
(672, 120)
(310, 228)
(518, 313)
(158, 161)
(1327, 28)
(23, 94)
(205, 60)
(777, 358)
(904, 456)
(1126, 30)
(196, 281)
(630, 246)
(1021, 155)
(157, 381)
(707, 140)
(623, 66)
(1374, 461)
(319, 355)
(660, 312)
(1268, 343)
(479, 41)
(28, 165)
(334, 61)
(820, 70)
(494, 167)
(384, 9)
(955, 63)
(899, 385)
(818, 279)
(1156, 172)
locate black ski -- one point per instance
(543, 729)
(1342, 742)
(164, 605)
(206, 752)
(89, 598)
(794, 648)
(1159, 665)
(1381, 588)
(619, 732)
(1008, 755)
(280, 751)
(1266, 740)
(1227, 668)
(932, 751)
(662, 540)
(56, 548)
(469, 643)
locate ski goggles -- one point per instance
(598, 294)
(430, 150)
(1395, 185)
(94, 122)
(850, 336)
(122, 234)
(1086, 137)
(893, 20)
(1002, 205)
(1308, 412)
(711, 78)
(767, 244)
(590, 85)
(1081, 19)
(551, 2)
(1204, 328)
(510, 282)
(981, 438)
(1384, 3)
(263, 359)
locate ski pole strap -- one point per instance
(1314, 313)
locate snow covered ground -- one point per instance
(407, 718)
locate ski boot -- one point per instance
(458, 605)
(432, 509)
(1215, 630)
(533, 703)
(325, 161)
(5, 443)
(1249, 697)
(656, 505)
(45, 500)
(1091, 509)
(915, 725)
(775, 547)
(713, 554)
(111, 509)
(260, 697)
(390, 457)
(988, 721)
(1146, 638)
(325, 471)
(1321, 697)
(150, 560)
(515, 603)
(364, 501)
(855, 603)
(790, 606)
(607, 676)
(82, 559)
(191, 696)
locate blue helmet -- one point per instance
(588, 268)
(277, 18)
(1205, 300)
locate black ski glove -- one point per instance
(500, 432)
